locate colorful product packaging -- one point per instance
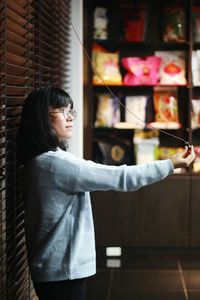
(196, 163)
(196, 67)
(141, 70)
(108, 111)
(114, 151)
(167, 152)
(174, 24)
(106, 67)
(166, 108)
(100, 23)
(146, 146)
(135, 113)
(135, 22)
(195, 113)
(172, 68)
(196, 23)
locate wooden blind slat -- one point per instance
(12, 26)
(16, 80)
(16, 49)
(17, 7)
(16, 18)
(34, 52)
(17, 60)
(18, 70)
(18, 39)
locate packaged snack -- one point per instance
(172, 69)
(100, 23)
(108, 111)
(196, 163)
(135, 21)
(146, 146)
(136, 105)
(166, 108)
(195, 113)
(141, 70)
(174, 24)
(167, 152)
(196, 23)
(107, 66)
(114, 151)
(196, 67)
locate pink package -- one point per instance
(141, 70)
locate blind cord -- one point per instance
(186, 143)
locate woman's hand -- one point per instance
(183, 159)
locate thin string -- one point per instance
(116, 98)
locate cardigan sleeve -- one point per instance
(93, 176)
(69, 174)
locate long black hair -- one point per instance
(36, 135)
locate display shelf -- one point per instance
(158, 215)
(127, 88)
(150, 43)
(120, 45)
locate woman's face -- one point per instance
(62, 121)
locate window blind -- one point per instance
(34, 47)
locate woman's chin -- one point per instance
(68, 137)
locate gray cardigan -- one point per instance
(58, 216)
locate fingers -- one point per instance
(185, 152)
(188, 150)
(190, 156)
(184, 159)
(192, 153)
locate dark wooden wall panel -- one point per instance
(195, 212)
(154, 216)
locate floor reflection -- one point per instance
(145, 277)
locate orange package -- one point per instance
(166, 108)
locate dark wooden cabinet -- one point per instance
(154, 216)
(194, 211)
(166, 214)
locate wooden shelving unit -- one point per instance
(165, 214)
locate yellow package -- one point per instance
(106, 68)
(167, 152)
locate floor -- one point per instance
(146, 276)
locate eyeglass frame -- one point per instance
(66, 114)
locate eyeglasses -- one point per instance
(66, 113)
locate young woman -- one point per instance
(58, 217)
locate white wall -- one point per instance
(76, 78)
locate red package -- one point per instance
(135, 21)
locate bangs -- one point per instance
(59, 98)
